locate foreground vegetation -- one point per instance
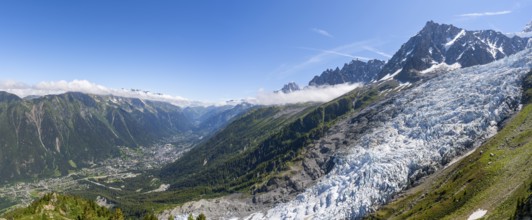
(57, 206)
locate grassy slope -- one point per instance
(493, 180)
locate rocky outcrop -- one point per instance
(289, 87)
(354, 72)
(445, 45)
(528, 27)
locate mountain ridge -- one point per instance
(289, 87)
(356, 71)
(44, 136)
(446, 44)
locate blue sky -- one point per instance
(218, 50)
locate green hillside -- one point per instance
(496, 177)
(56, 206)
(50, 135)
(191, 173)
(260, 144)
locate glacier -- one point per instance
(421, 130)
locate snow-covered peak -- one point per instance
(437, 43)
(528, 27)
(526, 33)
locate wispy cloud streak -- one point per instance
(377, 51)
(335, 53)
(322, 32)
(323, 55)
(481, 14)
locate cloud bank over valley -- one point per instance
(308, 94)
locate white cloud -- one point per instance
(377, 52)
(336, 53)
(84, 86)
(308, 94)
(322, 32)
(74, 86)
(480, 14)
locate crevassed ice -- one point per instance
(423, 129)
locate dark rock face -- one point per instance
(8, 97)
(353, 72)
(442, 43)
(527, 89)
(290, 87)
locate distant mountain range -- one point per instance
(50, 135)
(436, 48)
(354, 72)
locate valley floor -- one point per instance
(108, 173)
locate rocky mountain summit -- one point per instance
(356, 71)
(289, 87)
(528, 27)
(436, 48)
(442, 46)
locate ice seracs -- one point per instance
(420, 131)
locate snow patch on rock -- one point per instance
(441, 67)
(390, 76)
(162, 188)
(451, 42)
(477, 214)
